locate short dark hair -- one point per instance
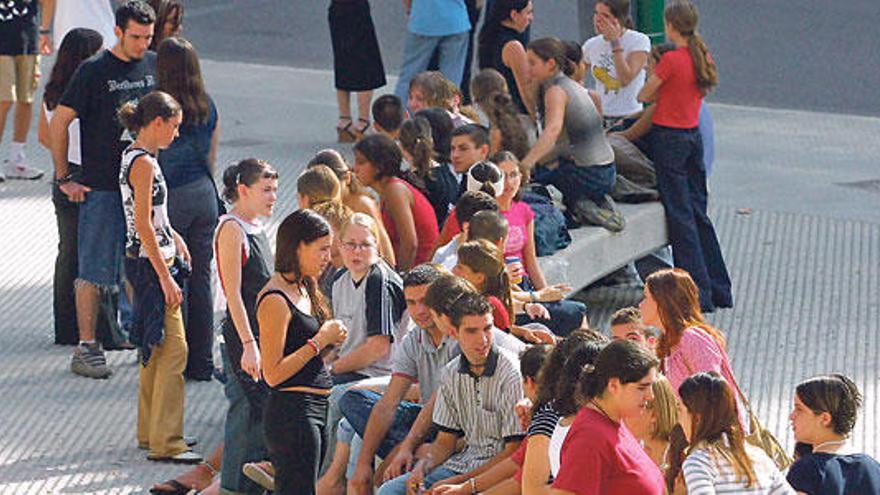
(478, 133)
(487, 224)
(622, 359)
(472, 202)
(388, 112)
(835, 394)
(138, 11)
(444, 292)
(423, 274)
(469, 304)
(531, 360)
(382, 152)
(626, 315)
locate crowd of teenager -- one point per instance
(400, 336)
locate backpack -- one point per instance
(551, 233)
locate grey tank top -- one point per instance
(582, 139)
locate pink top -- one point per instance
(696, 352)
(518, 218)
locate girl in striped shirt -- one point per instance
(718, 458)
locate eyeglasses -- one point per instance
(354, 246)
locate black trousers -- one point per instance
(294, 424)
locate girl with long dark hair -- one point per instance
(502, 46)
(506, 128)
(78, 45)
(169, 20)
(718, 457)
(189, 165)
(295, 328)
(680, 81)
(425, 172)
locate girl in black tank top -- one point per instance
(295, 329)
(242, 249)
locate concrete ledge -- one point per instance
(595, 252)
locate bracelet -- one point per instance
(617, 50)
(45, 31)
(532, 296)
(315, 346)
(248, 341)
(64, 180)
(473, 482)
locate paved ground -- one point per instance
(805, 279)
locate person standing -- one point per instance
(153, 253)
(65, 16)
(441, 25)
(189, 165)
(98, 89)
(79, 44)
(19, 71)
(357, 64)
(680, 81)
(294, 330)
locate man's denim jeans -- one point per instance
(417, 51)
(356, 406)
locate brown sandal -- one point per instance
(345, 134)
(359, 132)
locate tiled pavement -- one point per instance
(805, 286)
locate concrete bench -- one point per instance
(595, 252)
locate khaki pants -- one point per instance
(161, 395)
(19, 75)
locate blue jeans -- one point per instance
(397, 486)
(356, 406)
(101, 239)
(243, 436)
(566, 315)
(417, 51)
(192, 209)
(576, 182)
(681, 180)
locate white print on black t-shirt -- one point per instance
(12, 9)
(113, 85)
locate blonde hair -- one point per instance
(665, 412)
(363, 220)
(336, 213)
(320, 184)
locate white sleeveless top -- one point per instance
(555, 449)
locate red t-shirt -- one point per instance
(426, 225)
(519, 458)
(499, 313)
(601, 457)
(679, 97)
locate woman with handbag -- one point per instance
(719, 460)
(687, 344)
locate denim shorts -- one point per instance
(101, 238)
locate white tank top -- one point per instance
(555, 450)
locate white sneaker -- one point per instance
(23, 172)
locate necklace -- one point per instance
(291, 282)
(597, 406)
(839, 443)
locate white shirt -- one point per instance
(555, 449)
(617, 100)
(92, 14)
(74, 152)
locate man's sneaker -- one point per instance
(23, 172)
(586, 212)
(89, 361)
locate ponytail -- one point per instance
(503, 115)
(683, 17)
(704, 66)
(134, 116)
(416, 139)
(246, 172)
(551, 48)
(482, 256)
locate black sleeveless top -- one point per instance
(490, 57)
(301, 328)
(255, 273)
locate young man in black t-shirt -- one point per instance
(98, 89)
(19, 70)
